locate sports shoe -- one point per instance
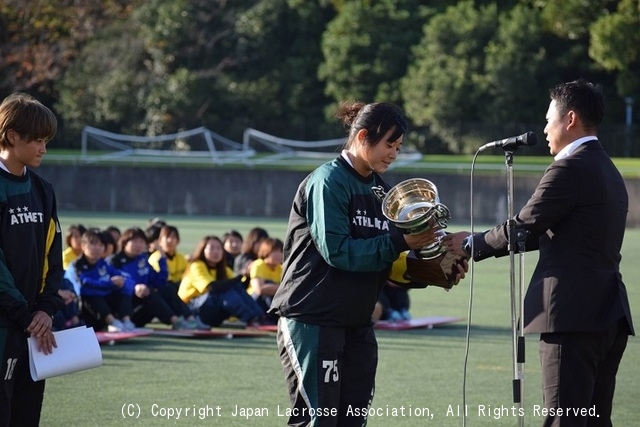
(182, 324)
(128, 325)
(405, 314)
(394, 316)
(116, 326)
(200, 324)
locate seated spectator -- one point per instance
(211, 290)
(74, 248)
(265, 272)
(69, 315)
(151, 297)
(153, 232)
(232, 241)
(168, 241)
(116, 234)
(393, 303)
(110, 244)
(249, 251)
(104, 290)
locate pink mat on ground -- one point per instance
(213, 333)
(418, 322)
(106, 337)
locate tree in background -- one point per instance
(40, 39)
(274, 82)
(181, 64)
(446, 83)
(615, 45)
(104, 85)
(465, 71)
(367, 49)
(518, 74)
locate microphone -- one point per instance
(525, 140)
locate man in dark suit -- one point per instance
(576, 299)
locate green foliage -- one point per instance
(39, 40)
(103, 87)
(276, 84)
(570, 19)
(367, 49)
(516, 61)
(446, 82)
(615, 44)
(465, 71)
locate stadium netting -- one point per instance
(274, 150)
(199, 145)
(202, 145)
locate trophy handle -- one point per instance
(441, 215)
(379, 192)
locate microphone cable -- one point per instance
(470, 306)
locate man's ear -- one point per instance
(573, 120)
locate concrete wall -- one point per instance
(264, 193)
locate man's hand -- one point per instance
(453, 242)
(40, 329)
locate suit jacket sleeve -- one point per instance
(552, 200)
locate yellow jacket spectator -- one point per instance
(212, 292)
(265, 272)
(177, 263)
(74, 244)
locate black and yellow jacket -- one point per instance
(30, 249)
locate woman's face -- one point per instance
(169, 242)
(213, 252)
(93, 250)
(376, 158)
(232, 245)
(275, 257)
(135, 246)
(75, 241)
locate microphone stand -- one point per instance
(516, 236)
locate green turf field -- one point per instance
(420, 371)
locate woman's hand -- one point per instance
(426, 238)
(142, 290)
(40, 329)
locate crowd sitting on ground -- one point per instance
(119, 281)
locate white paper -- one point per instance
(77, 350)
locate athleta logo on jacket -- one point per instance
(362, 220)
(21, 215)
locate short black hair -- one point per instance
(584, 98)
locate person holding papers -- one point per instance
(30, 255)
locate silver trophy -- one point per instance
(414, 207)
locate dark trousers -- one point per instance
(20, 396)
(234, 301)
(328, 369)
(579, 371)
(395, 298)
(95, 309)
(170, 295)
(145, 309)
